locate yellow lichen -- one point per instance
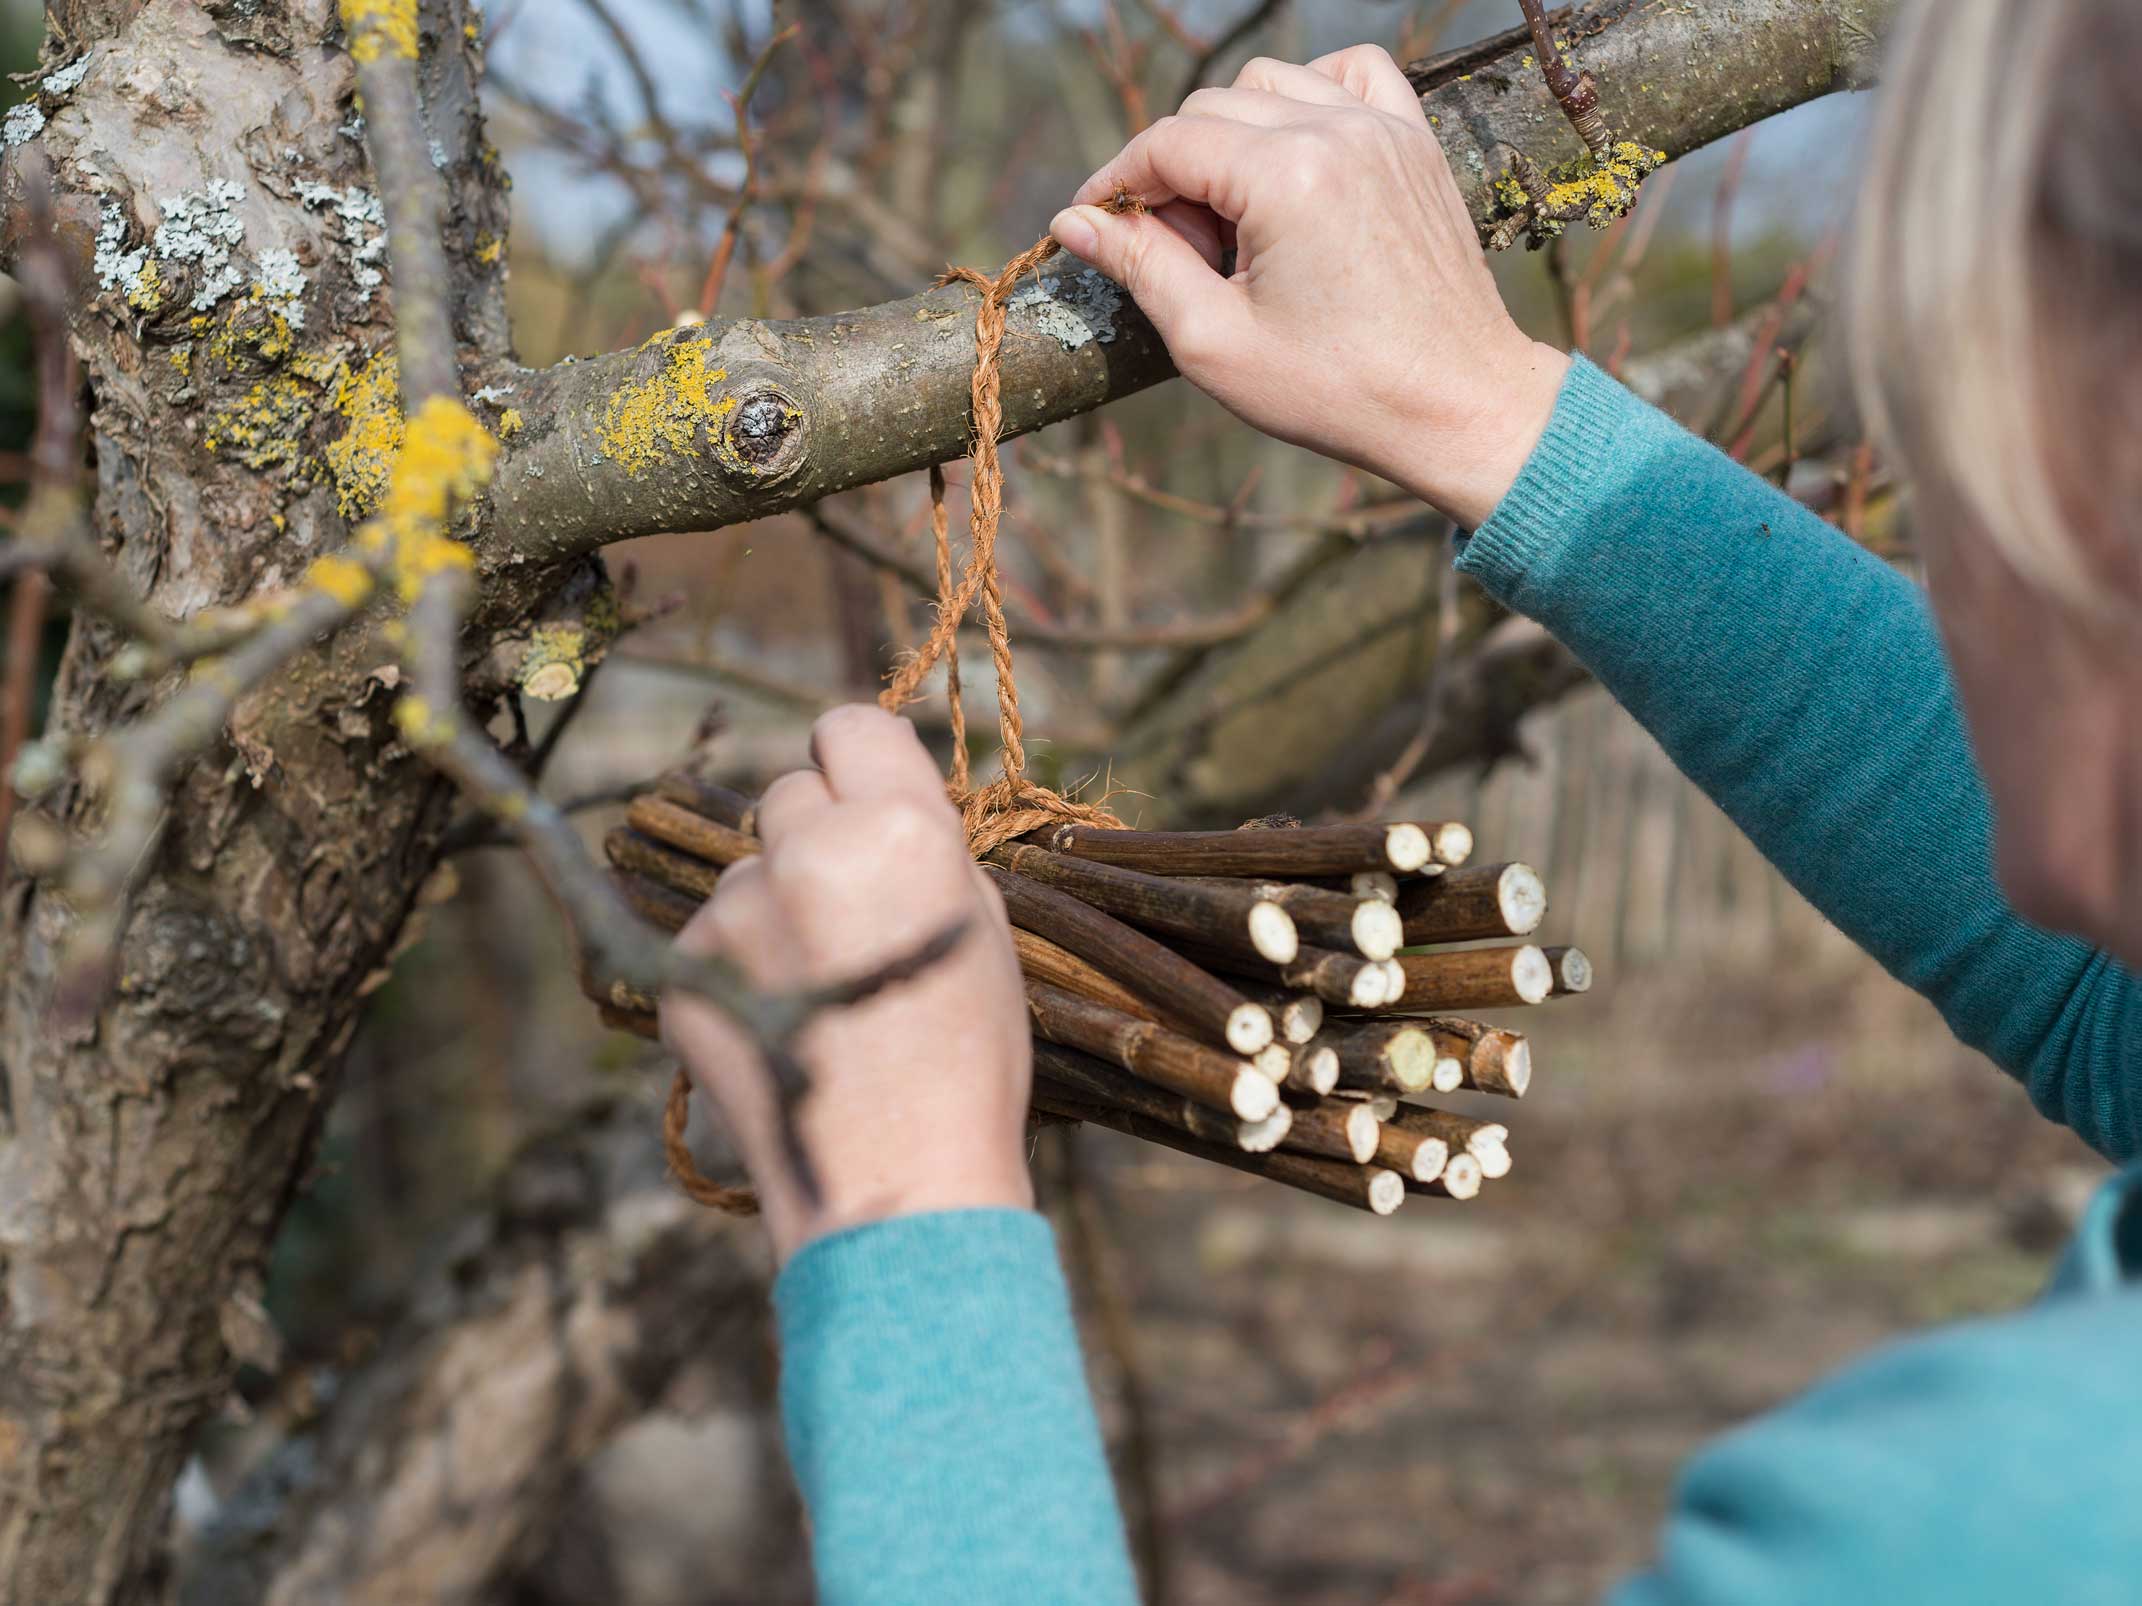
(509, 423)
(650, 419)
(412, 717)
(380, 28)
(556, 660)
(445, 460)
(1598, 192)
(182, 359)
(342, 578)
(147, 291)
(489, 248)
(362, 460)
(264, 427)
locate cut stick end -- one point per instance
(1322, 1070)
(1448, 1076)
(1406, 848)
(1452, 843)
(1370, 988)
(1363, 1132)
(1502, 1063)
(1461, 1176)
(1262, 1137)
(1521, 898)
(1531, 976)
(1494, 1160)
(1272, 933)
(1378, 929)
(1429, 1159)
(1249, 1028)
(1275, 1060)
(1386, 1191)
(1255, 1096)
(1409, 1055)
(1379, 884)
(1572, 971)
(1301, 1018)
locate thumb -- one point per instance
(1172, 284)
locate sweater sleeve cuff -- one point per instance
(938, 1417)
(1577, 464)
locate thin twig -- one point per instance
(747, 191)
(1245, 25)
(1574, 92)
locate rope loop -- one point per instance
(1011, 805)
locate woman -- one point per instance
(935, 1404)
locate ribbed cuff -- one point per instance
(1561, 481)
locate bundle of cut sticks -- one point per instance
(1271, 998)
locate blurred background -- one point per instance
(1748, 1155)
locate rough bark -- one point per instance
(553, 1321)
(147, 1155)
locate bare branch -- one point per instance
(737, 420)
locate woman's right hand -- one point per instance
(1360, 319)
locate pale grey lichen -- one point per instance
(65, 81)
(363, 222)
(438, 156)
(1072, 308)
(201, 226)
(24, 122)
(282, 285)
(116, 267)
(493, 394)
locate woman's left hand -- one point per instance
(918, 1096)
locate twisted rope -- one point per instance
(1011, 805)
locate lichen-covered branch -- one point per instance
(723, 422)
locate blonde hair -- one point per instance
(1996, 278)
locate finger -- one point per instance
(860, 885)
(1210, 160)
(740, 895)
(1259, 107)
(1198, 225)
(869, 755)
(744, 923)
(1369, 72)
(791, 800)
(1294, 81)
(1195, 310)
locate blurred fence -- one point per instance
(1643, 868)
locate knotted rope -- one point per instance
(1012, 804)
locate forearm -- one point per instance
(938, 1418)
(1801, 683)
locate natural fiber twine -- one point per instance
(1012, 804)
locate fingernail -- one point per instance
(1074, 231)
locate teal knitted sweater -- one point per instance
(936, 1406)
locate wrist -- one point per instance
(1464, 466)
(880, 1170)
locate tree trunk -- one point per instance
(558, 1317)
(148, 1153)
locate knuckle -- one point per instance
(915, 826)
(823, 859)
(847, 723)
(1257, 71)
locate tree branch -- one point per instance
(735, 420)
